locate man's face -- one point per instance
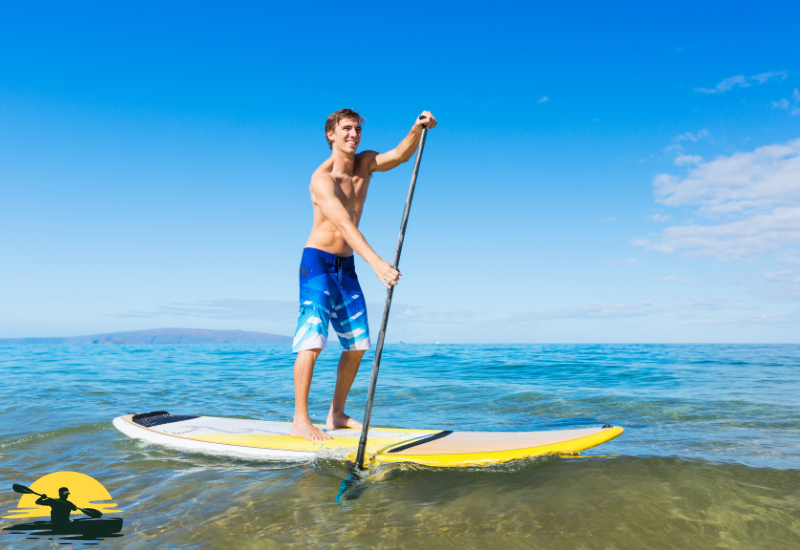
(63, 495)
(347, 135)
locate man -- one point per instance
(60, 508)
(329, 289)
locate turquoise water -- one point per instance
(710, 457)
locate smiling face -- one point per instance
(346, 135)
(343, 129)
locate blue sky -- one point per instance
(622, 173)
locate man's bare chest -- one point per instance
(352, 191)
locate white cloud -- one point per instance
(659, 218)
(782, 104)
(741, 321)
(639, 309)
(742, 81)
(687, 160)
(757, 181)
(671, 279)
(608, 220)
(623, 261)
(783, 284)
(748, 239)
(427, 314)
(783, 276)
(543, 99)
(692, 303)
(688, 136)
(755, 196)
(258, 310)
(785, 103)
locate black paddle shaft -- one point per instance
(373, 381)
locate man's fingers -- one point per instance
(428, 121)
(387, 275)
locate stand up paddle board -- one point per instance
(271, 440)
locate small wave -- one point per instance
(59, 433)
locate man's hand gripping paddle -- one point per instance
(349, 489)
(91, 512)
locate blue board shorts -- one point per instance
(329, 292)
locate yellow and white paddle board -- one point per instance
(271, 440)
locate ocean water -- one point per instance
(710, 457)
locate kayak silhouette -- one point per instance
(85, 526)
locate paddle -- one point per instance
(348, 490)
(91, 512)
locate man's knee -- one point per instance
(308, 354)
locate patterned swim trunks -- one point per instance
(329, 291)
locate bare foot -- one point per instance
(304, 429)
(341, 420)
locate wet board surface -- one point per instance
(271, 440)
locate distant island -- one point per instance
(161, 336)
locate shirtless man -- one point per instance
(329, 289)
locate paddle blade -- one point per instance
(91, 512)
(350, 490)
(22, 489)
(352, 487)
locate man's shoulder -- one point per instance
(364, 160)
(322, 180)
(323, 172)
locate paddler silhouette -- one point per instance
(60, 507)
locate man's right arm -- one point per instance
(335, 212)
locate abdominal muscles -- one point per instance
(324, 236)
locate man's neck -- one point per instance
(343, 162)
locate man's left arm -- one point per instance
(383, 162)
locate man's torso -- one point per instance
(60, 509)
(352, 192)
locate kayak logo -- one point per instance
(60, 496)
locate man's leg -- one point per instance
(303, 371)
(345, 374)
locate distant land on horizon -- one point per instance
(161, 336)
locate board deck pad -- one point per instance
(271, 440)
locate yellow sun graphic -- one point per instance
(85, 492)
